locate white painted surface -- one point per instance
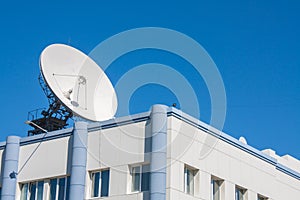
(230, 163)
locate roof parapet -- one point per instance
(285, 160)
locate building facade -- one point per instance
(162, 154)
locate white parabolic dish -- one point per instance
(78, 82)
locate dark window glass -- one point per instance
(68, 188)
(53, 183)
(96, 178)
(40, 190)
(32, 187)
(104, 183)
(145, 181)
(61, 190)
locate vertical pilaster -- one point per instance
(229, 190)
(158, 153)
(10, 168)
(79, 158)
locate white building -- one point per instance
(161, 154)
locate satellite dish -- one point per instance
(78, 82)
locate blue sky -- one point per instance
(255, 45)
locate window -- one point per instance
(32, 190)
(216, 188)
(140, 176)
(189, 180)
(100, 183)
(240, 193)
(260, 197)
(59, 188)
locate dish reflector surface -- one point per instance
(78, 82)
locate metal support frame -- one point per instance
(51, 119)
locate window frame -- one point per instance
(216, 182)
(100, 182)
(66, 187)
(143, 177)
(243, 192)
(188, 170)
(28, 193)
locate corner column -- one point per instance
(10, 168)
(79, 158)
(159, 152)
